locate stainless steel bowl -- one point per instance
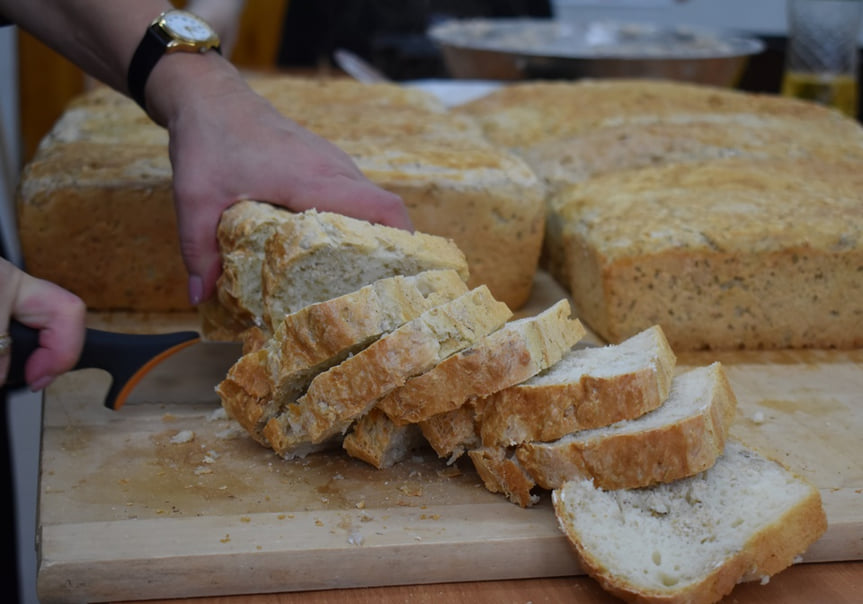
(520, 49)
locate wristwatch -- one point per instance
(173, 31)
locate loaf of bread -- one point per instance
(96, 210)
(692, 540)
(725, 254)
(722, 216)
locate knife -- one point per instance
(127, 357)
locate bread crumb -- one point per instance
(355, 538)
(183, 436)
(361, 505)
(765, 579)
(758, 417)
(226, 538)
(169, 417)
(217, 414)
(200, 470)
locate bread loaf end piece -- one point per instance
(338, 396)
(588, 388)
(510, 355)
(683, 436)
(692, 540)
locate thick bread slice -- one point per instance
(512, 354)
(347, 391)
(692, 540)
(588, 388)
(318, 256)
(682, 437)
(321, 335)
(501, 472)
(376, 440)
(275, 262)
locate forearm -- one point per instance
(100, 36)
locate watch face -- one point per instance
(187, 26)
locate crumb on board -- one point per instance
(183, 436)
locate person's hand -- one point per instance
(58, 315)
(227, 144)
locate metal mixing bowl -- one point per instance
(520, 49)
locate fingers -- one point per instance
(57, 314)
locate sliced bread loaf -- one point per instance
(340, 395)
(588, 388)
(501, 472)
(683, 436)
(316, 337)
(276, 262)
(510, 355)
(694, 539)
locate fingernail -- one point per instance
(41, 383)
(196, 290)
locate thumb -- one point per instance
(200, 249)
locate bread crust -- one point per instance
(376, 440)
(641, 457)
(338, 396)
(772, 548)
(318, 336)
(501, 472)
(549, 409)
(506, 357)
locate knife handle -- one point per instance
(127, 357)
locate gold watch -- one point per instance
(173, 31)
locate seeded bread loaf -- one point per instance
(316, 337)
(690, 207)
(683, 436)
(692, 540)
(105, 159)
(725, 254)
(347, 391)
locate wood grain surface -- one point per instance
(166, 499)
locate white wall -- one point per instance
(759, 16)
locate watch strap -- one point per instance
(153, 46)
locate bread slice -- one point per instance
(512, 354)
(276, 262)
(338, 396)
(694, 539)
(376, 440)
(682, 437)
(315, 338)
(588, 388)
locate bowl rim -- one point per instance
(450, 33)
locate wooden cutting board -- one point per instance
(166, 498)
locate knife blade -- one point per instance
(126, 357)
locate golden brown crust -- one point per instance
(547, 410)
(378, 441)
(772, 548)
(453, 433)
(506, 357)
(638, 458)
(347, 391)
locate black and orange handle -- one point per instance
(127, 357)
